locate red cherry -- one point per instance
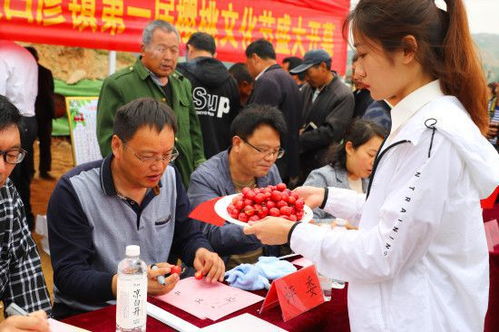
(276, 196)
(274, 212)
(254, 218)
(280, 204)
(243, 217)
(270, 204)
(249, 210)
(198, 275)
(281, 187)
(285, 210)
(259, 198)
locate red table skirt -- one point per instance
(329, 316)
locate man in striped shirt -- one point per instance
(21, 277)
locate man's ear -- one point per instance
(116, 146)
(236, 143)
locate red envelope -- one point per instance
(205, 212)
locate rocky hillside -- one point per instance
(70, 64)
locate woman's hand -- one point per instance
(270, 230)
(313, 196)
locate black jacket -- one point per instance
(216, 99)
(276, 87)
(362, 101)
(331, 113)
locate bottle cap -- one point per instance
(133, 250)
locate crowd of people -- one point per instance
(403, 158)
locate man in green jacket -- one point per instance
(154, 75)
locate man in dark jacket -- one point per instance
(275, 87)
(327, 112)
(214, 92)
(44, 113)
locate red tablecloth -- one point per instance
(329, 316)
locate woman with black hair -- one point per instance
(351, 162)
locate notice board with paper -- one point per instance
(82, 117)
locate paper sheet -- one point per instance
(206, 300)
(170, 319)
(243, 323)
(56, 326)
(302, 262)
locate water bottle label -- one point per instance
(131, 301)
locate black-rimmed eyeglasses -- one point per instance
(13, 156)
(267, 153)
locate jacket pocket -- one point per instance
(163, 221)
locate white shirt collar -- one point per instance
(261, 73)
(412, 103)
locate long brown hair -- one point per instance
(445, 48)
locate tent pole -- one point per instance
(112, 62)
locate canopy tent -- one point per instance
(293, 26)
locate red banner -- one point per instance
(293, 26)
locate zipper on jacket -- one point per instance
(378, 158)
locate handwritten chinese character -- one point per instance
(230, 299)
(83, 14)
(328, 37)
(24, 13)
(112, 16)
(290, 294)
(163, 10)
(49, 12)
(177, 293)
(186, 18)
(230, 17)
(313, 35)
(247, 26)
(209, 17)
(282, 34)
(267, 22)
(311, 287)
(298, 32)
(198, 300)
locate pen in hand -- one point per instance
(160, 278)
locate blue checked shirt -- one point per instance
(21, 277)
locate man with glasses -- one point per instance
(21, 277)
(132, 196)
(154, 75)
(257, 134)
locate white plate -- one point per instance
(222, 204)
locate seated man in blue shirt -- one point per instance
(132, 196)
(256, 134)
(21, 277)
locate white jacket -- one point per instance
(419, 261)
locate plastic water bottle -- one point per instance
(131, 296)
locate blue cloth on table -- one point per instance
(257, 276)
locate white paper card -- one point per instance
(243, 323)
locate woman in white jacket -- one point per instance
(419, 261)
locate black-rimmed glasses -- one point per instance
(13, 156)
(278, 153)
